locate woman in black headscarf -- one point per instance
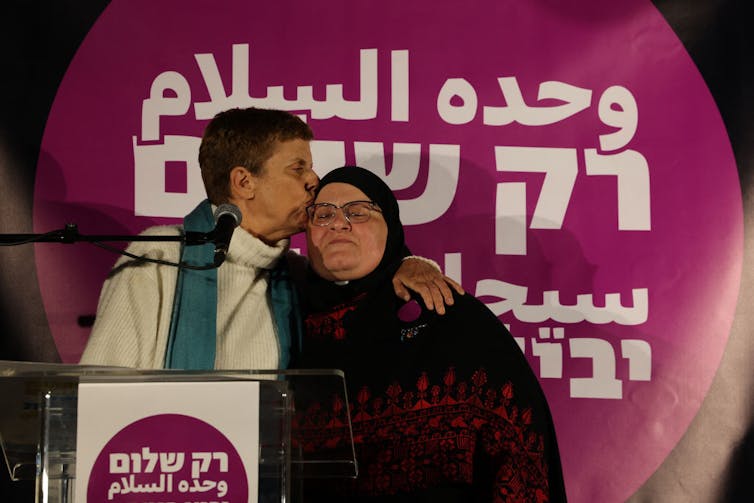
(444, 408)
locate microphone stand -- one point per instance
(70, 234)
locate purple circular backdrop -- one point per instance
(168, 457)
(566, 161)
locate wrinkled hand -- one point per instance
(426, 280)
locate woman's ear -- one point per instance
(242, 183)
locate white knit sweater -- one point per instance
(135, 306)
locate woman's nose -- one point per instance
(340, 221)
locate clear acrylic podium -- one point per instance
(38, 423)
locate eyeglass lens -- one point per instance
(355, 212)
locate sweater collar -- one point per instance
(249, 251)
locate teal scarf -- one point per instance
(193, 325)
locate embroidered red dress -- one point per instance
(444, 408)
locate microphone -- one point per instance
(227, 218)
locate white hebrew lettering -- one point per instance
(119, 463)
(635, 315)
(150, 197)
(151, 459)
(405, 166)
(550, 358)
(327, 155)
(200, 463)
(521, 341)
(632, 173)
(135, 462)
(223, 458)
(171, 462)
(545, 332)
(510, 220)
(513, 298)
(551, 308)
(511, 295)
(442, 181)
(453, 266)
(560, 166)
(639, 355)
(602, 383)
(585, 310)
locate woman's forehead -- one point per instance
(340, 193)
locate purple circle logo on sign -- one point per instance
(169, 457)
(566, 163)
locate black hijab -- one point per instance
(322, 293)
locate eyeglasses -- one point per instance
(356, 212)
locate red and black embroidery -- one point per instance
(433, 434)
(330, 324)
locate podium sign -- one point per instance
(165, 442)
(108, 434)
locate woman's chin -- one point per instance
(342, 276)
(343, 273)
(342, 267)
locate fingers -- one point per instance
(440, 291)
(444, 291)
(401, 290)
(432, 294)
(428, 292)
(426, 280)
(456, 286)
(438, 297)
(429, 296)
